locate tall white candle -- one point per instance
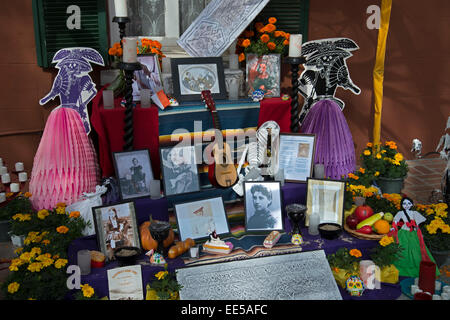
(6, 178)
(295, 45)
(129, 49)
(3, 170)
(19, 166)
(121, 8)
(15, 187)
(23, 176)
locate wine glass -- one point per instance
(160, 231)
(296, 213)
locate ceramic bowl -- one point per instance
(330, 231)
(127, 256)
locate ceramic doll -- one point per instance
(405, 228)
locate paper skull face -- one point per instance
(354, 286)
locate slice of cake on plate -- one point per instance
(216, 246)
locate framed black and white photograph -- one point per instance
(326, 197)
(149, 77)
(191, 76)
(198, 219)
(133, 172)
(263, 205)
(296, 156)
(116, 227)
(179, 170)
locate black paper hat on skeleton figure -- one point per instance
(325, 70)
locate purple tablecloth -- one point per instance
(291, 192)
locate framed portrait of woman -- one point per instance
(179, 170)
(264, 73)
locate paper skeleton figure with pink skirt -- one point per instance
(65, 165)
(73, 85)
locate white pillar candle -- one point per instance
(84, 261)
(129, 49)
(233, 61)
(3, 170)
(15, 187)
(2, 197)
(295, 45)
(166, 68)
(120, 7)
(19, 166)
(23, 176)
(6, 178)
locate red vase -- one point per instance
(427, 276)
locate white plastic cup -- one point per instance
(314, 221)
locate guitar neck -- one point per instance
(216, 120)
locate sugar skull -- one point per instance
(355, 286)
(297, 239)
(258, 95)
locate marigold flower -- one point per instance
(367, 152)
(270, 28)
(112, 51)
(378, 156)
(265, 38)
(42, 214)
(60, 210)
(362, 170)
(35, 266)
(386, 240)
(9, 194)
(286, 42)
(161, 275)
(246, 43)
(27, 194)
(278, 33)
(259, 26)
(74, 214)
(62, 229)
(60, 263)
(355, 253)
(241, 57)
(287, 35)
(377, 173)
(271, 45)
(61, 204)
(272, 20)
(87, 290)
(369, 145)
(13, 287)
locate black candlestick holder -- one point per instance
(160, 232)
(122, 22)
(129, 69)
(295, 112)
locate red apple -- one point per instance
(352, 221)
(365, 230)
(363, 212)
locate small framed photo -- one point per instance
(149, 77)
(198, 219)
(116, 227)
(179, 170)
(263, 206)
(134, 173)
(296, 156)
(326, 197)
(191, 76)
(264, 73)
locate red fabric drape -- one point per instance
(277, 110)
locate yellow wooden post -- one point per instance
(378, 70)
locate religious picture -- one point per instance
(263, 206)
(149, 77)
(296, 156)
(134, 173)
(179, 170)
(264, 73)
(116, 227)
(198, 219)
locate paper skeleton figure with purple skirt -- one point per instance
(325, 70)
(73, 85)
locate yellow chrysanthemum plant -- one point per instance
(39, 270)
(86, 293)
(436, 229)
(164, 286)
(344, 263)
(262, 39)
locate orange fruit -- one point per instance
(381, 227)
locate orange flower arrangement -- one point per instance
(62, 229)
(265, 39)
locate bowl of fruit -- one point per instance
(363, 223)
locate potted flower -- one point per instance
(344, 264)
(386, 164)
(164, 286)
(13, 205)
(436, 230)
(384, 255)
(86, 293)
(262, 47)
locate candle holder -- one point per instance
(295, 112)
(122, 22)
(296, 213)
(129, 69)
(160, 231)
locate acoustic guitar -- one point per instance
(221, 172)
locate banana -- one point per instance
(370, 220)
